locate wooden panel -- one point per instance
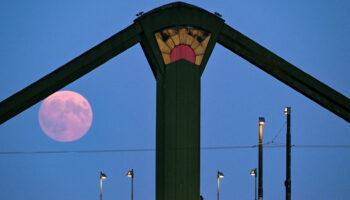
(182, 35)
(199, 59)
(166, 58)
(164, 48)
(200, 50)
(169, 38)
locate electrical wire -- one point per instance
(153, 150)
(278, 133)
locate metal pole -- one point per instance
(218, 185)
(100, 188)
(287, 183)
(255, 182)
(260, 173)
(132, 184)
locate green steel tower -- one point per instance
(177, 40)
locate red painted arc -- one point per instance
(182, 52)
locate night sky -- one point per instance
(37, 37)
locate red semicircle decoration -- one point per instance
(182, 52)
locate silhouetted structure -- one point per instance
(260, 173)
(288, 182)
(177, 39)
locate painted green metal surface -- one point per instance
(178, 101)
(285, 72)
(176, 14)
(169, 15)
(178, 88)
(69, 72)
(178, 132)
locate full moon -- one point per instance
(65, 116)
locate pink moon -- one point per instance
(65, 116)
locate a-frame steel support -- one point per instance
(285, 72)
(229, 37)
(178, 88)
(69, 72)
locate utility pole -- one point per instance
(287, 183)
(260, 173)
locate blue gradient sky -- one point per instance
(36, 37)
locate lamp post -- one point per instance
(220, 175)
(287, 183)
(130, 174)
(253, 173)
(260, 189)
(102, 176)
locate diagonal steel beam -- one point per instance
(69, 72)
(285, 72)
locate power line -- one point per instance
(78, 151)
(277, 134)
(153, 150)
(322, 146)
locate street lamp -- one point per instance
(253, 173)
(130, 174)
(260, 189)
(287, 183)
(220, 175)
(102, 176)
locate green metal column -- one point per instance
(178, 132)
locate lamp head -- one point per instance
(253, 172)
(286, 110)
(102, 175)
(130, 173)
(220, 175)
(261, 120)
